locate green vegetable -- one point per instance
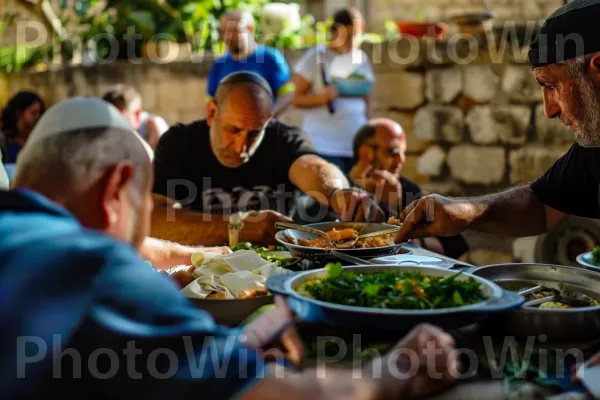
(265, 253)
(596, 255)
(392, 289)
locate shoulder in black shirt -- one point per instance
(571, 184)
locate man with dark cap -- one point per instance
(241, 160)
(566, 63)
(84, 316)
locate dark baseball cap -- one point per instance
(571, 31)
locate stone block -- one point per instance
(480, 83)
(518, 82)
(431, 162)
(551, 130)
(509, 124)
(400, 90)
(477, 164)
(443, 84)
(439, 123)
(530, 162)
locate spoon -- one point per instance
(350, 243)
(570, 298)
(306, 229)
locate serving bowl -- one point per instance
(353, 87)
(315, 311)
(556, 324)
(320, 255)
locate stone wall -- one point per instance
(475, 122)
(440, 10)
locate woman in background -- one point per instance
(332, 128)
(17, 120)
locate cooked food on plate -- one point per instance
(240, 275)
(392, 289)
(340, 236)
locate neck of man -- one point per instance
(248, 51)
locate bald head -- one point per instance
(237, 31)
(382, 144)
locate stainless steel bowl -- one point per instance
(321, 256)
(556, 324)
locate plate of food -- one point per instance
(315, 248)
(231, 287)
(392, 297)
(590, 259)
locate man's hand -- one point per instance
(356, 205)
(164, 255)
(435, 215)
(384, 185)
(259, 227)
(275, 324)
(427, 357)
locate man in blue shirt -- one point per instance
(244, 54)
(83, 314)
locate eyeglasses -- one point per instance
(391, 152)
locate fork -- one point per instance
(350, 244)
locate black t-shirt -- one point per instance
(187, 171)
(571, 184)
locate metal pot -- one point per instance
(321, 256)
(231, 312)
(556, 324)
(315, 311)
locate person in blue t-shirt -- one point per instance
(82, 315)
(244, 54)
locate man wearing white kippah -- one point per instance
(83, 315)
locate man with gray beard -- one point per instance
(566, 63)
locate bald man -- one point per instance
(240, 160)
(379, 155)
(244, 54)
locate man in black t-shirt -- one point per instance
(240, 160)
(566, 63)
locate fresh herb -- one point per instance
(392, 289)
(596, 255)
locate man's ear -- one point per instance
(211, 112)
(114, 186)
(595, 69)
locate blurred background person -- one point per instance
(332, 129)
(17, 120)
(129, 102)
(244, 54)
(379, 154)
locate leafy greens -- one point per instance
(392, 289)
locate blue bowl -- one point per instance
(353, 87)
